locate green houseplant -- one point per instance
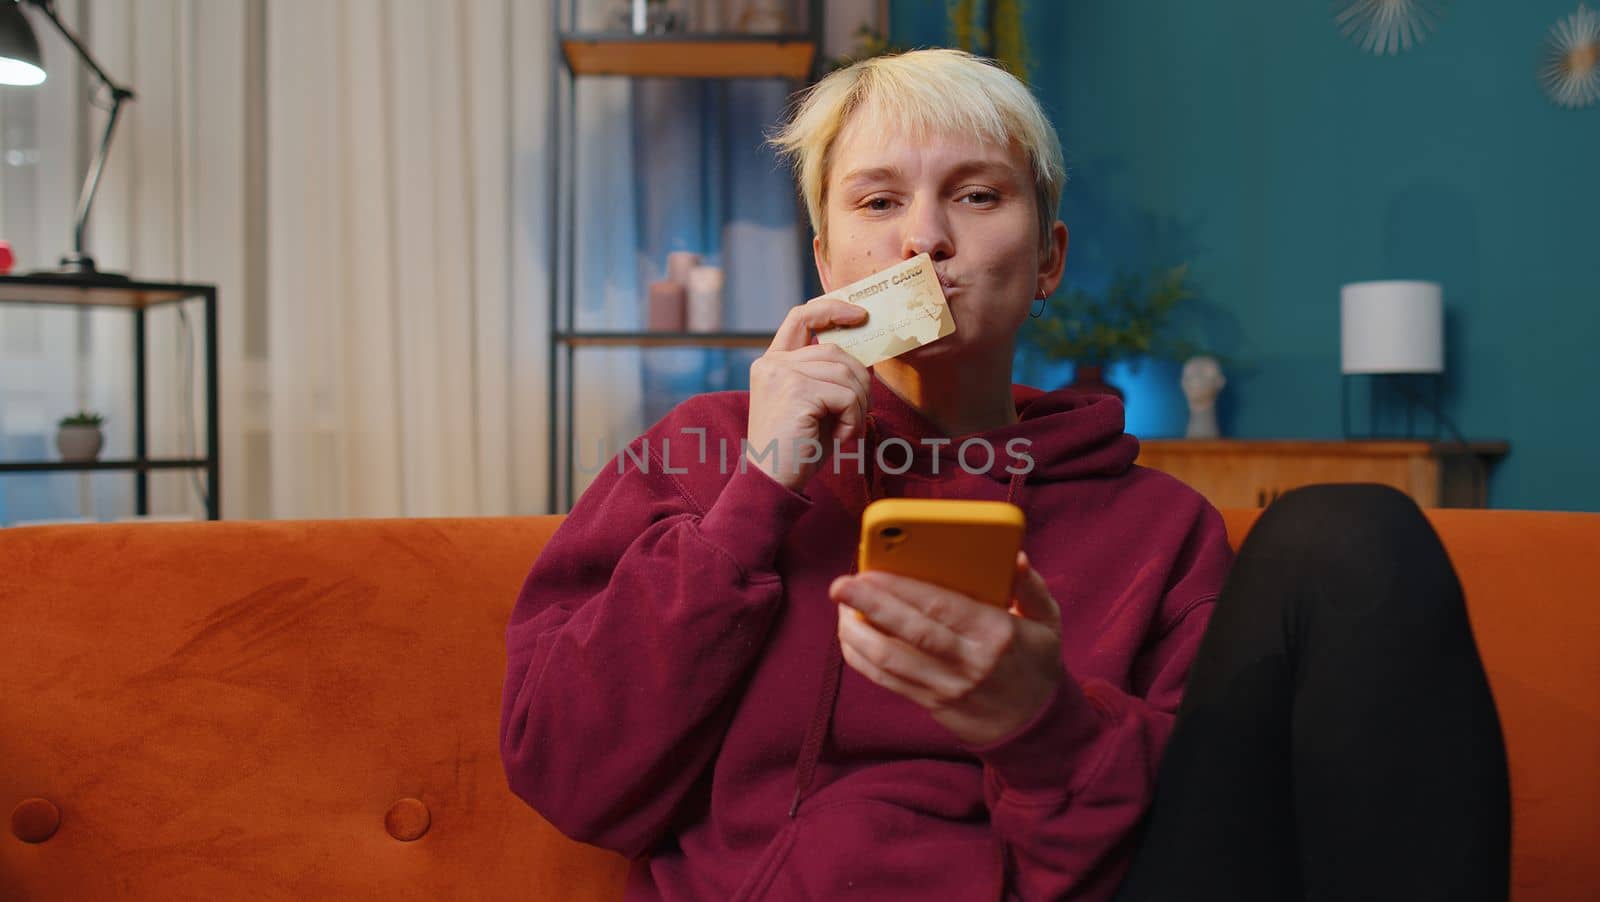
(78, 437)
(993, 29)
(1132, 320)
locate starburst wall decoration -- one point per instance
(1387, 26)
(1571, 75)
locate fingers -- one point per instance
(958, 613)
(819, 380)
(815, 315)
(859, 374)
(893, 664)
(1033, 599)
(843, 369)
(898, 619)
(862, 665)
(835, 372)
(850, 406)
(843, 403)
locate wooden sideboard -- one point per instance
(1247, 473)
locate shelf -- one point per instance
(67, 466)
(688, 55)
(98, 291)
(1310, 447)
(666, 339)
(78, 291)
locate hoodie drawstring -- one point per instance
(817, 730)
(828, 694)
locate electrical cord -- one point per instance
(1480, 472)
(186, 423)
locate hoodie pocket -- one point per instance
(871, 849)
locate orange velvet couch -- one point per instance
(308, 710)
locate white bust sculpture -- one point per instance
(1202, 382)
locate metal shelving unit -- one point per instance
(136, 298)
(788, 56)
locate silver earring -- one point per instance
(1039, 310)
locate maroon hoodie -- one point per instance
(674, 687)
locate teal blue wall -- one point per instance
(1258, 143)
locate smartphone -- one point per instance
(967, 546)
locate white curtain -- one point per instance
(366, 182)
(400, 139)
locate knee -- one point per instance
(1360, 524)
(1346, 551)
(1357, 506)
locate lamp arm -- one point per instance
(119, 96)
(91, 182)
(48, 8)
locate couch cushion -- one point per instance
(259, 710)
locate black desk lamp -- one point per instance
(22, 64)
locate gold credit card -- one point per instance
(905, 310)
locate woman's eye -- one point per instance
(877, 204)
(981, 197)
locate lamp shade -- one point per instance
(20, 62)
(1391, 327)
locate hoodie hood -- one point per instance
(1064, 433)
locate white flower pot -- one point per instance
(79, 443)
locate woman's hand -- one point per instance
(982, 672)
(803, 396)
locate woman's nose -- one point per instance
(927, 232)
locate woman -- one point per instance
(689, 682)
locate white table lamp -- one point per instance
(1391, 327)
(1393, 332)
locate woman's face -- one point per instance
(968, 204)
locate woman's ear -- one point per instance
(1053, 263)
(824, 272)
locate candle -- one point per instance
(705, 299)
(668, 300)
(678, 265)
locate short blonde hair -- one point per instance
(920, 93)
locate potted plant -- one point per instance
(79, 438)
(1131, 321)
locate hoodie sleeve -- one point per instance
(1067, 791)
(628, 644)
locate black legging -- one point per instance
(1337, 739)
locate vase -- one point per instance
(1089, 379)
(79, 444)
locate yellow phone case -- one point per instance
(968, 546)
